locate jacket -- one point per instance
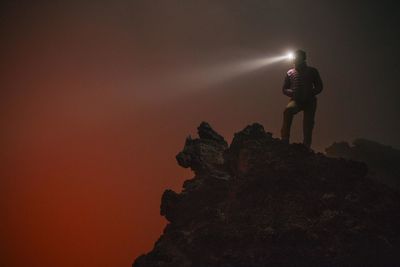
(302, 83)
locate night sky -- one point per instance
(92, 112)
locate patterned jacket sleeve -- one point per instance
(286, 86)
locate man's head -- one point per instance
(299, 57)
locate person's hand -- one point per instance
(290, 92)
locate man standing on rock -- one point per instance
(302, 84)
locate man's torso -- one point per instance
(302, 83)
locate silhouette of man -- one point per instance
(302, 84)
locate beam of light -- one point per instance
(175, 83)
(225, 72)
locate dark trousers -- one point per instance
(291, 109)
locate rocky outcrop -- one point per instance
(261, 202)
(205, 154)
(383, 161)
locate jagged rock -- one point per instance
(206, 132)
(169, 200)
(282, 205)
(383, 161)
(204, 155)
(242, 153)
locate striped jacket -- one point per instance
(302, 83)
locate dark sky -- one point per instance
(91, 116)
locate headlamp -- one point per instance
(290, 56)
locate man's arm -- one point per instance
(318, 85)
(286, 87)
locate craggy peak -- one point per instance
(262, 202)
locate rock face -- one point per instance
(261, 202)
(383, 161)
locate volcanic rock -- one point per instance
(262, 202)
(383, 161)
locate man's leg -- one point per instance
(290, 110)
(308, 121)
